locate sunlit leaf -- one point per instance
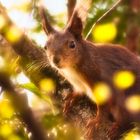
(101, 92)
(105, 32)
(32, 88)
(13, 34)
(35, 90)
(47, 85)
(132, 103)
(123, 79)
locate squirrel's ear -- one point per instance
(75, 25)
(45, 23)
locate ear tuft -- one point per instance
(75, 25)
(45, 23)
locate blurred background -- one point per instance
(121, 26)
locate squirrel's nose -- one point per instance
(56, 60)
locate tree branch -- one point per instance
(28, 51)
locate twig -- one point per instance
(105, 14)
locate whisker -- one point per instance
(37, 65)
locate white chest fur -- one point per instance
(78, 82)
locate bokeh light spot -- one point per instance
(132, 103)
(13, 34)
(14, 137)
(23, 6)
(22, 78)
(105, 32)
(101, 92)
(132, 135)
(123, 79)
(2, 21)
(6, 130)
(6, 110)
(47, 85)
(2, 62)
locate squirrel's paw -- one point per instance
(92, 126)
(113, 130)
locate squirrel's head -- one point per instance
(63, 47)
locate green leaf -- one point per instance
(31, 87)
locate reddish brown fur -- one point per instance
(94, 63)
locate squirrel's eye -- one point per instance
(72, 45)
(45, 47)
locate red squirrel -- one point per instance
(84, 63)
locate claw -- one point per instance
(113, 130)
(92, 126)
